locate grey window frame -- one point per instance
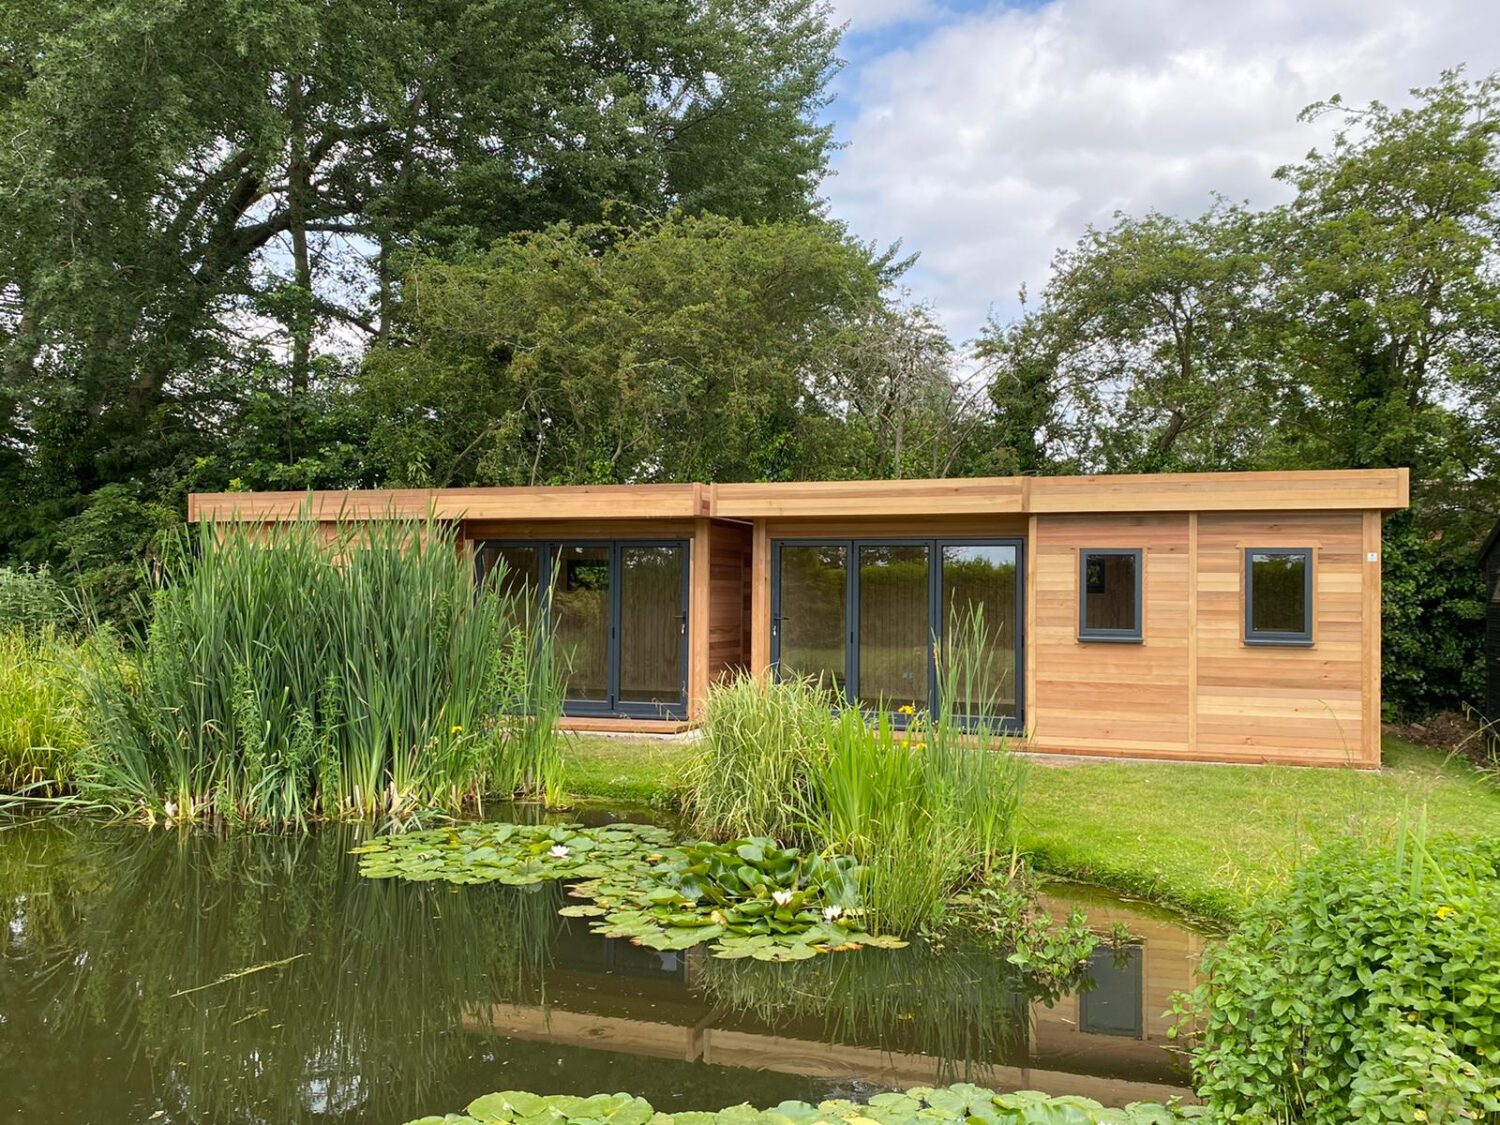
(1302, 638)
(1116, 636)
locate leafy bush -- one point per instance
(1368, 990)
(34, 599)
(41, 729)
(1432, 647)
(961, 1104)
(284, 675)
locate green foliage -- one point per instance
(672, 350)
(1368, 990)
(1354, 327)
(749, 897)
(41, 707)
(33, 598)
(961, 1104)
(276, 163)
(1432, 641)
(284, 677)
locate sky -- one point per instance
(987, 135)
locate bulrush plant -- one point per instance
(286, 675)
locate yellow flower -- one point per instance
(1444, 911)
(456, 728)
(906, 709)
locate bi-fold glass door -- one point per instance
(618, 614)
(867, 616)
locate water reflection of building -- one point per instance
(828, 1023)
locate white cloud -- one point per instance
(865, 16)
(996, 136)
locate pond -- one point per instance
(181, 977)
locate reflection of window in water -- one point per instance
(582, 951)
(1113, 1003)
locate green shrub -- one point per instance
(283, 676)
(34, 599)
(1368, 990)
(41, 728)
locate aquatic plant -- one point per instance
(749, 897)
(960, 1104)
(927, 806)
(292, 674)
(752, 767)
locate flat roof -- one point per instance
(1314, 490)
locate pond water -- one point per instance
(125, 996)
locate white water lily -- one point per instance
(559, 851)
(782, 898)
(832, 912)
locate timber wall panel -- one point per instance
(1109, 697)
(728, 638)
(1261, 703)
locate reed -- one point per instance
(41, 728)
(287, 676)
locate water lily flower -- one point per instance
(559, 851)
(782, 898)
(832, 912)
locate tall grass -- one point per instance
(285, 676)
(41, 723)
(756, 756)
(927, 809)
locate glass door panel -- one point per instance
(979, 601)
(581, 607)
(812, 614)
(894, 626)
(652, 625)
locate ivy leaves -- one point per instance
(750, 898)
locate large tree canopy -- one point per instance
(206, 200)
(677, 350)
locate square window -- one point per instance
(1109, 595)
(1278, 595)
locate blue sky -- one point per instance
(988, 135)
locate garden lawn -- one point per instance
(1206, 839)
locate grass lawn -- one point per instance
(1205, 839)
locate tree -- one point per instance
(675, 350)
(198, 190)
(1387, 291)
(887, 376)
(1145, 353)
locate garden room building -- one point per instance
(1214, 616)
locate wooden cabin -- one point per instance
(1229, 617)
(1489, 559)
